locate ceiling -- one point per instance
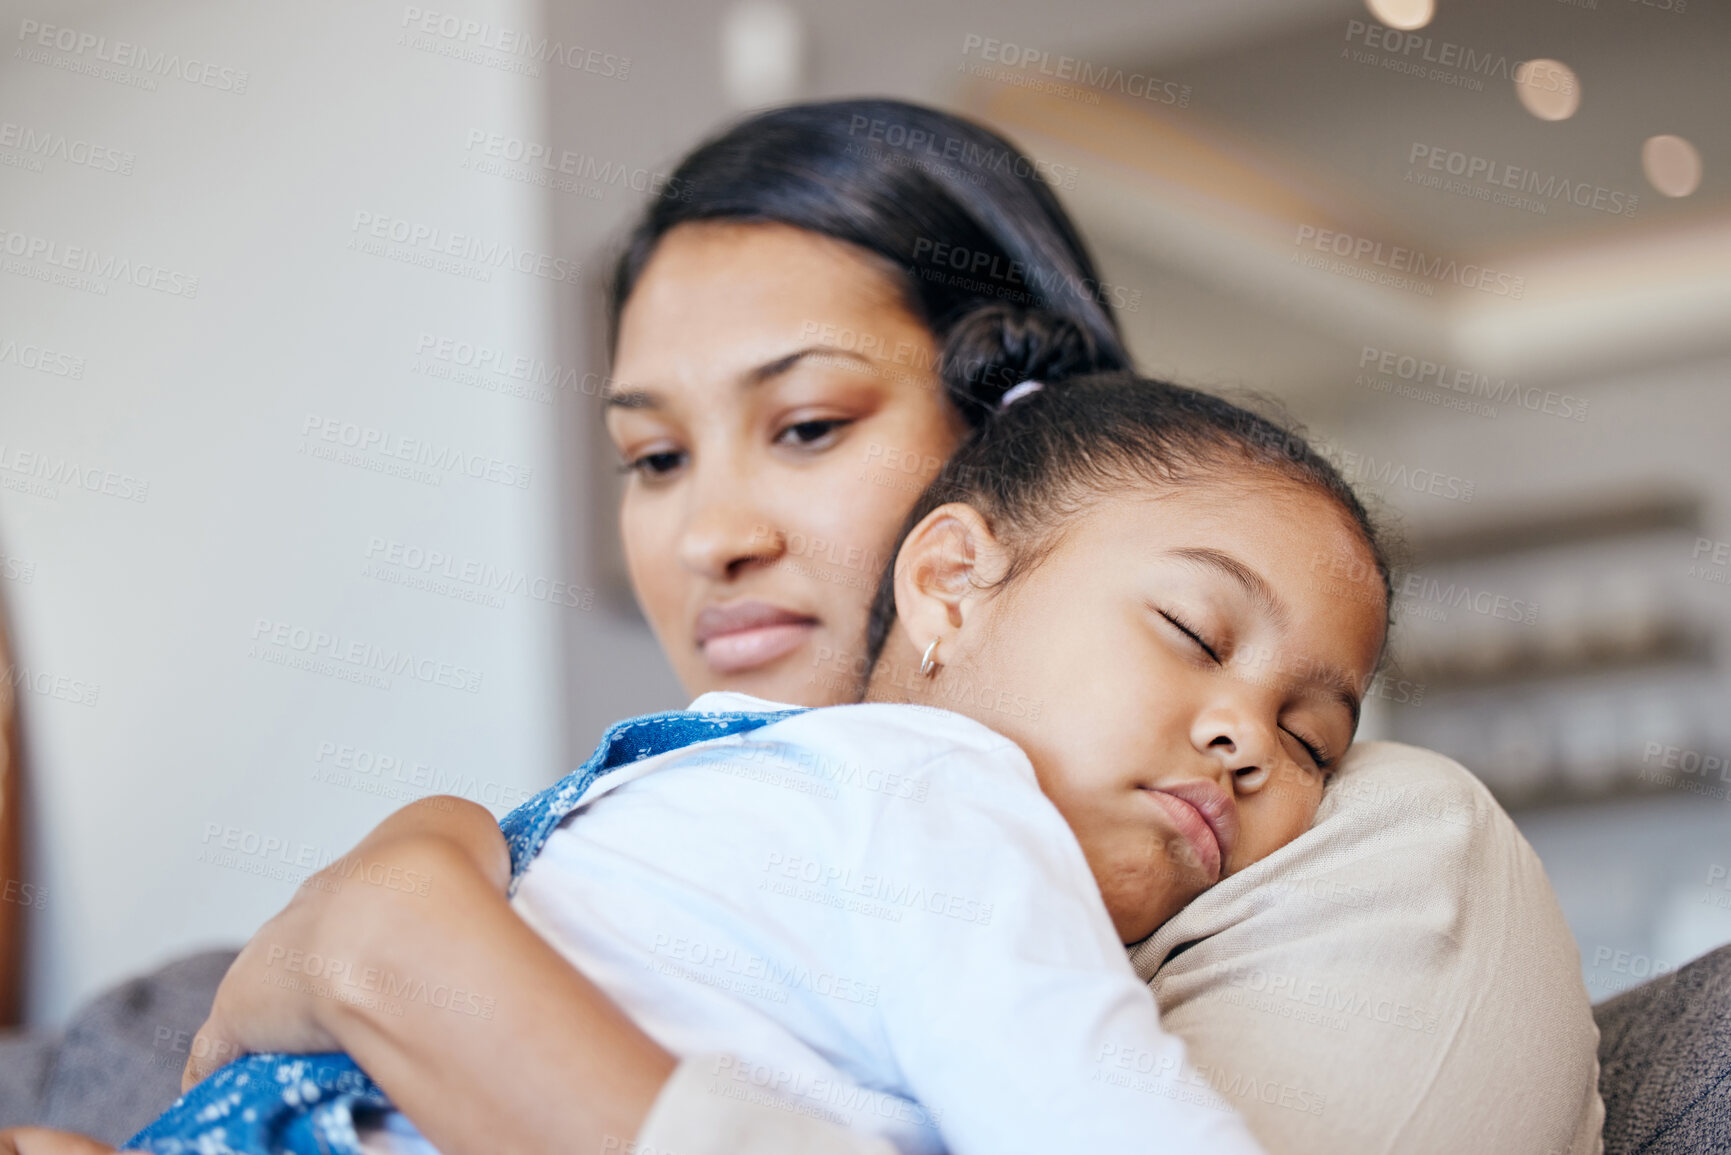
(1299, 134)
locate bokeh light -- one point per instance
(1403, 14)
(1549, 89)
(1672, 165)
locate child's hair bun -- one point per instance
(996, 347)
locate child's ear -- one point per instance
(945, 564)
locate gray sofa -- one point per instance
(1664, 1054)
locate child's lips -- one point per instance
(1205, 816)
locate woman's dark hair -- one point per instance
(1036, 464)
(962, 217)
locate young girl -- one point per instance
(837, 895)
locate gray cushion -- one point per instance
(118, 1065)
(24, 1062)
(1665, 1062)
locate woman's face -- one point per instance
(779, 409)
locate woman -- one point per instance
(779, 336)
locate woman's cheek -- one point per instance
(651, 561)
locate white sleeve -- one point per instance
(1013, 1010)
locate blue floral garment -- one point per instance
(272, 1104)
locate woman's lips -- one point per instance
(745, 635)
(1205, 816)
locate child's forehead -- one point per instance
(1255, 508)
(1274, 546)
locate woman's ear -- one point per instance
(945, 566)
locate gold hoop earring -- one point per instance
(929, 664)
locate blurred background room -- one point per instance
(1482, 249)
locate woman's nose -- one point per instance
(721, 537)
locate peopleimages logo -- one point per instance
(995, 275)
(124, 54)
(43, 360)
(54, 472)
(351, 659)
(436, 241)
(80, 259)
(970, 154)
(1398, 259)
(1446, 54)
(582, 165)
(527, 47)
(1492, 176)
(436, 459)
(1102, 77)
(1422, 373)
(41, 144)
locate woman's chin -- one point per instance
(790, 679)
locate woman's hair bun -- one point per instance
(996, 347)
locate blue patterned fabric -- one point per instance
(267, 1104)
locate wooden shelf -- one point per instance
(1559, 793)
(1674, 644)
(1616, 515)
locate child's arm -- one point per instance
(478, 1030)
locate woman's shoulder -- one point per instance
(1400, 956)
(913, 739)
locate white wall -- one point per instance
(154, 722)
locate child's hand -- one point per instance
(44, 1141)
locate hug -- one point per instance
(1049, 834)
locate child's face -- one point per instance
(1177, 674)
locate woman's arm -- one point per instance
(547, 1063)
(407, 955)
(44, 1141)
(497, 1066)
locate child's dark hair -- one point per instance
(1035, 464)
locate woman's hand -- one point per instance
(477, 1028)
(262, 1004)
(278, 994)
(45, 1141)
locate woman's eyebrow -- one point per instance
(629, 398)
(772, 369)
(633, 397)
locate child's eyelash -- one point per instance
(1191, 634)
(1318, 754)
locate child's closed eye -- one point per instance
(1316, 751)
(1192, 634)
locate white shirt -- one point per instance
(877, 910)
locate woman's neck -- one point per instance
(895, 676)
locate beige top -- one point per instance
(1398, 979)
